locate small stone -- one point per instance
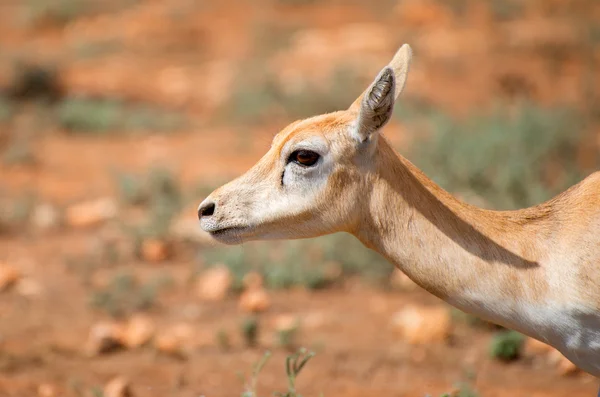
(214, 283)
(154, 250)
(286, 322)
(422, 325)
(104, 337)
(175, 340)
(29, 287)
(255, 300)
(138, 332)
(45, 217)
(9, 275)
(117, 387)
(91, 213)
(46, 390)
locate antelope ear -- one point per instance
(376, 104)
(400, 64)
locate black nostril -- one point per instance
(206, 210)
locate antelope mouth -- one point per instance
(229, 235)
(232, 229)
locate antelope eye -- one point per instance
(306, 158)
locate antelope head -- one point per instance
(313, 179)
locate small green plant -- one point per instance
(507, 345)
(462, 390)
(250, 387)
(101, 116)
(15, 212)
(18, 152)
(285, 264)
(506, 9)
(223, 340)
(89, 115)
(258, 96)
(56, 11)
(97, 392)
(159, 193)
(35, 81)
(124, 295)
(6, 109)
(293, 365)
(286, 337)
(504, 156)
(465, 390)
(90, 49)
(250, 331)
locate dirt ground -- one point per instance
(187, 56)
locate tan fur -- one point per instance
(500, 265)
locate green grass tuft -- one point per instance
(250, 327)
(285, 264)
(101, 116)
(504, 156)
(507, 345)
(124, 295)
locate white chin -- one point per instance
(232, 236)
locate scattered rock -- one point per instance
(29, 287)
(9, 275)
(255, 300)
(421, 325)
(176, 340)
(286, 322)
(139, 330)
(91, 213)
(46, 390)
(154, 250)
(117, 387)
(104, 337)
(45, 217)
(214, 283)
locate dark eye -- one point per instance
(306, 158)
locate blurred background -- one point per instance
(117, 117)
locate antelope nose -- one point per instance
(207, 208)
